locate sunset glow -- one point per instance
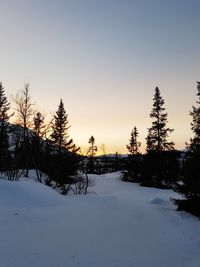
(104, 59)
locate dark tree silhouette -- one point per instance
(24, 109)
(60, 136)
(24, 112)
(195, 125)
(134, 158)
(4, 141)
(37, 144)
(134, 145)
(91, 153)
(63, 159)
(93, 148)
(158, 133)
(38, 124)
(191, 169)
(160, 165)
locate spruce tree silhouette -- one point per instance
(158, 133)
(190, 188)
(60, 126)
(63, 158)
(160, 155)
(91, 153)
(4, 142)
(134, 158)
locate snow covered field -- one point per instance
(117, 225)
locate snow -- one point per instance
(117, 224)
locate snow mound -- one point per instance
(157, 201)
(27, 193)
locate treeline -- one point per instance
(159, 167)
(30, 143)
(33, 143)
(162, 166)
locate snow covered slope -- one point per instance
(117, 225)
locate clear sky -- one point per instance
(104, 58)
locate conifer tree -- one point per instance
(93, 148)
(159, 132)
(134, 145)
(160, 165)
(4, 105)
(91, 153)
(4, 117)
(195, 125)
(63, 159)
(37, 144)
(38, 124)
(60, 136)
(191, 180)
(133, 157)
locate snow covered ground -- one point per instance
(117, 225)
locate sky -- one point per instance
(104, 58)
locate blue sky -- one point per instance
(104, 59)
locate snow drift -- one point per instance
(117, 225)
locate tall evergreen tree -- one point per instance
(4, 117)
(160, 165)
(134, 159)
(195, 125)
(191, 180)
(60, 136)
(158, 133)
(63, 159)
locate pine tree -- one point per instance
(134, 158)
(4, 117)
(158, 133)
(4, 105)
(161, 157)
(134, 145)
(62, 158)
(91, 153)
(195, 125)
(93, 148)
(191, 169)
(60, 136)
(37, 144)
(38, 124)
